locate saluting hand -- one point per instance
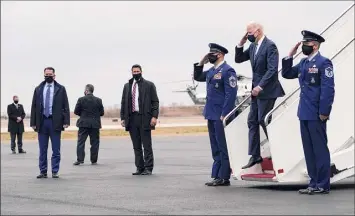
(244, 39)
(204, 60)
(294, 49)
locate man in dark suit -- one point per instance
(16, 115)
(90, 110)
(139, 114)
(266, 87)
(50, 114)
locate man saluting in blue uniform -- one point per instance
(221, 95)
(316, 78)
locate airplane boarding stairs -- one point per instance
(282, 151)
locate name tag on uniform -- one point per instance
(313, 69)
(218, 75)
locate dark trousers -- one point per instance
(258, 110)
(220, 167)
(94, 134)
(13, 140)
(139, 136)
(47, 131)
(316, 152)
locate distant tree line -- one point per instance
(166, 111)
(4, 116)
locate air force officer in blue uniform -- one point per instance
(316, 78)
(221, 82)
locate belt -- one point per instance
(49, 117)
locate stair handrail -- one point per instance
(248, 97)
(266, 119)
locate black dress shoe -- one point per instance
(253, 161)
(21, 151)
(146, 172)
(210, 183)
(320, 191)
(55, 175)
(221, 182)
(42, 175)
(77, 163)
(93, 163)
(308, 191)
(138, 172)
(13, 152)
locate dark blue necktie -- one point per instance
(46, 109)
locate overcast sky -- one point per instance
(98, 42)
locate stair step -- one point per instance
(267, 164)
(259, 177)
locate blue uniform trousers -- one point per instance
(316, 152)
(221, 167)
(46, 131)
(259, 108)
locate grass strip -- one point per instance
(31, 135)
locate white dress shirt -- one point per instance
(136, 103)
(259, 44)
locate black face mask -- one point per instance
(137, 76)
(48, 79)
(15, 101)
(251, 38)
(307, 50)
(212, 58)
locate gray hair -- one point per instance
(90, 88)
(256, 25)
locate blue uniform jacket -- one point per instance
(221, 89)
(316, 79)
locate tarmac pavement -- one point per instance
(182, 166)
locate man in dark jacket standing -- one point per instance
(50, 114)
(266, 87)
(16, 114)
(139, 114)
(90, 110)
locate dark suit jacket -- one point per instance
(264, 66)
(13, 113)
(60, 107)
(90, 110)
(148, 103)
